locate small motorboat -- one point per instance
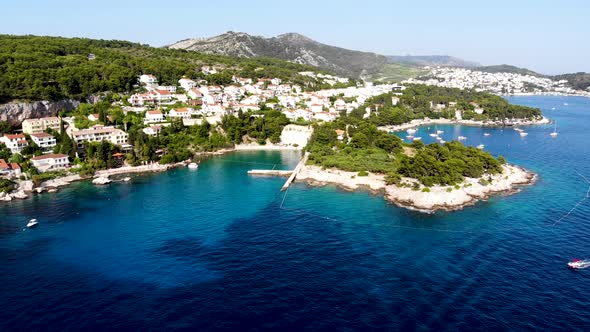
(486, 134)
(523, 134)
(411, 131)
(442, 141)
(433, 135)
(577, 264)
(417, 138)
(461, 138)
(439, 132)
(32, 223)
(518, 129)
(554, 133)
(481, 146)
(193, 166)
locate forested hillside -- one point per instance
(52, 68)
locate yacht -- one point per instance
(518, 129)
(433, 135)
(486, 134)
(554, 133)
(461, 138)
(440, 132)
(481, 146)
(193, 166)
(417, 138)
(523, 134)
(411, 131)
(32, 223)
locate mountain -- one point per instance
(292, 47)
(508, 69)
(432, 60)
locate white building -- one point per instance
(187, 83)
(148, 79)
(183, 113)
(152, 130)
(16, 143)
(50, 162)
(99, 134)
(154, 116)
(31, 126)
(43, 140)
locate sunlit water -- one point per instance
(216, 249)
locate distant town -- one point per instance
(497, 83)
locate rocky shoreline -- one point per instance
(437, 198)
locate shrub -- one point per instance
(483, 182)
(426, 190)
(363, 173)
(449, 189)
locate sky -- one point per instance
(547, 36)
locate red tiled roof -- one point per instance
(3, 164)
(14, 166)
(41, 135)
(16, 136)
(49, 156)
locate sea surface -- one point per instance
(216, 249)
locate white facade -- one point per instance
(99, 134)
(187, 83)
(153, 116)
(43, 140)
(148, 79)
(50, 162)
(16, 143)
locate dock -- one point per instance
(284, 173)
(295, 171)
(268, 172)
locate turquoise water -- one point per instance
(216, 249)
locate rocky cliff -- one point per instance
(16, 112)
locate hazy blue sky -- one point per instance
(549, 36)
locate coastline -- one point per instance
(26, 188)
(437, 199)
(427, 122)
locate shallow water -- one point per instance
(216, 249)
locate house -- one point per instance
(50, 162)
(169, 88)
(316, 108)
(182, 113)
(247, 107)
(340, 134)
(208, 70)
(152, 130)
(31, 126)
(394, 101)
(9, 169)
(153, 116)
(16, 143)
(99, 134)
(91, 56)
(43, 140)
(139, 99)
(148, 79)
(325, 116)
(194, 93)
(187, 83)
(94, 117)
(162, 95)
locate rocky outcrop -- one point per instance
(16, 112)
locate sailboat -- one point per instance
(554, 133)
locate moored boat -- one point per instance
(32, 223)
(193, 166)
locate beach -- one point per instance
(446, 198)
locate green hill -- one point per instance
(508, 69)
(579, 81)
(52, 68)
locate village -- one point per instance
(192, 102)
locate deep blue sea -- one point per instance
(216, 249)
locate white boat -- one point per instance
(410, 137)
(439, 132)
(438, 138)
(554, 133)
(523, 134)
(553, 108)
(193, 166)
(433, 135)
(481, 146)
(417, 138)
(518, 129)
(578, 264)
(411, 131)
(32, 223)
(486, 134)
(442, 141)
(461, 138)
(565, 104)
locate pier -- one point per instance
(291, 174)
